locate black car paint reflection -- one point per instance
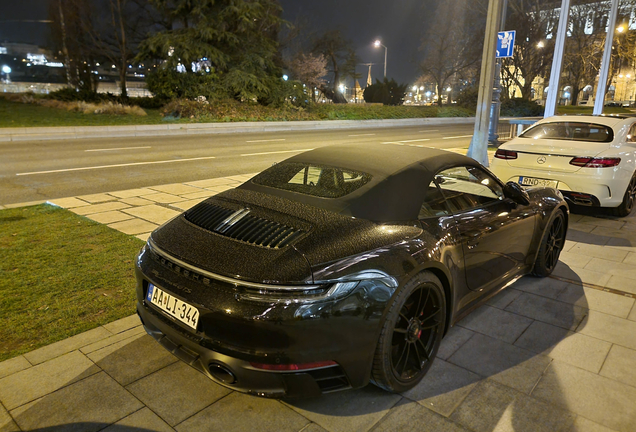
(356, 294)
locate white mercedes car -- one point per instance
(590, 159)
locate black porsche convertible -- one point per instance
(339, 266)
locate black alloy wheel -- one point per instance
(411, 334)
(629, 199)
(551, 246)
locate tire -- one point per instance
(629, 199)
(411, 334)
(551, 246)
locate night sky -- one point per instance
(398, 23)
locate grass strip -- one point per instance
(60, 274)
(15, 114)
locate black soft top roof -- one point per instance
(400, 178)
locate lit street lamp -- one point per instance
(378, 44)
(7, 70)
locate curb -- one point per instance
(72, 132)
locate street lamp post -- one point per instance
(379, 44)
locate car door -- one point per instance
(495, 232)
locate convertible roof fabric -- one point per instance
(400, 178)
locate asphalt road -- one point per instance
(41, 170)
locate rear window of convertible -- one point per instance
(573, 131)
(314, 180)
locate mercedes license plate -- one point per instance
(177, 309)
(531, 181)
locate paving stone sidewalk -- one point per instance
(554, 354)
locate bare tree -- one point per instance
(116, 37)
(584, 46)
(533, 49)
(70, 39)
(310, 69)
(341, 57)
(452, 45)
(624, 42)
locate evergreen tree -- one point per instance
(228, 46)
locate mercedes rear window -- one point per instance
(573, 131)
(314, 180)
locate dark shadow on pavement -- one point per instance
(486, 368)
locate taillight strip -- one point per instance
(590, 162)
(505, 154)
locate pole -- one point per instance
(478, 149)
(493, 136)
(385, 51)
(607, 54)
(67, 63)
(557, 61)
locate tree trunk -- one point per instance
(122, 82)
(123, 51)
(576, 89)
(335, 95)
(526, 91)
(441, 85)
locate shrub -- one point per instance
(91, 108)
(387, 92)
(29, 97)
(69, 94)
(286, 93)
(232, 110)
(468, 97)
(148, 102)
(77, 105)
(111, 108)
(454, 111)
(519, 107)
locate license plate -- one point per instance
(177, 309)
(531, 181)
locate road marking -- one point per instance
(275, 152)
(406, 141)
(461, 136)
(429, 130)
(120, 148)
(359, 135)
(267, 140)
(116, 166)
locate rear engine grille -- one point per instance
(208, 216)
(242, 226)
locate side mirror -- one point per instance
(515, 192)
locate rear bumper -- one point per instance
(233, 333)
(238, 374)
(600, 190)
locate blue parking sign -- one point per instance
(505, 43)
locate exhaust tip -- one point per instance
(222, 373)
